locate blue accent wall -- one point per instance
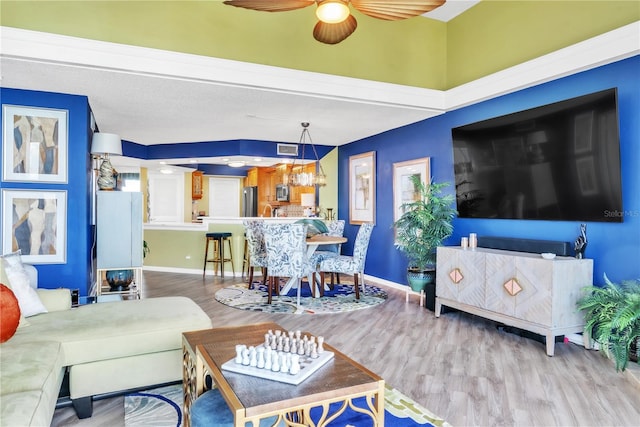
(615, 247)
(76, 272)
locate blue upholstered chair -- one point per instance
(254, 230)
(287, 255)
(349, 264)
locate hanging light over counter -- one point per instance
(296, 176)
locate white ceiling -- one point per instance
(196, 99)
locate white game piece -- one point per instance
(287, 345)
(295, 364)
(291, 333)
(298, 333)
(320, 343)
(268, 358)
(307, 349)
(267, 339)
(278, 333)
(300, 348)
(239, 349)
(275, 362)
(253, 359)
(261, 362)
(284, 367)
(279, 346)
(314, 351)
(245, 356)
(274, 342)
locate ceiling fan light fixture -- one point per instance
(332, 11)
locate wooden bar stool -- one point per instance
(219, 257)
(245, 259)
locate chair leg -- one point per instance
(264, 275)
(250, 277)
(206, 254)
(270, 290)
(357, 286)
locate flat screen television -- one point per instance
(555, 162)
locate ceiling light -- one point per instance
(166, 171)
(332, 11)
(257, 159)
(236, 164)
(296, 176)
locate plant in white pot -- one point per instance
(422, 227)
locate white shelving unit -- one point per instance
(119, 239)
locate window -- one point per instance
(166, 197)
(224, 197)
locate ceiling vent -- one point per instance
(287, 149)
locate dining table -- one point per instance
(313, 242)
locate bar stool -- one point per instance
(218, 252)
(245, 259)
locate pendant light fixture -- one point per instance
(296, 176)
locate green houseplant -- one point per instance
(612, 315)
(424, 224)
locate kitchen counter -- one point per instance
(179, 246)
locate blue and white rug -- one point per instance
(339, 300)
(162, 407)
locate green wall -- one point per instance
(495, 35)
(418, 52)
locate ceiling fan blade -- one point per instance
(271, 5)
(334, 33)
(392, 10)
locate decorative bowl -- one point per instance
(548, 255)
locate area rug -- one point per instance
(339, 300)
(162, 407)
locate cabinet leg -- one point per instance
(551, 344)
(438, 308)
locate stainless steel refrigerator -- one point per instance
(250, 201)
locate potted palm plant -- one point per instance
(424, 224)
(612, 315)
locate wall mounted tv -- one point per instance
(555, 162)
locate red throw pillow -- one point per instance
(9, 313)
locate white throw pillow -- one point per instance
(28, 299)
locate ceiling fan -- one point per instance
(335, 20)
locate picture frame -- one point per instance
(404, 190)
(35, 217)
(362, 188)
(35, 144)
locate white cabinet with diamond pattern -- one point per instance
(515, 288)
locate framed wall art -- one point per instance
(404, 191)
(35, 144)
(362, 188)
(35, 221)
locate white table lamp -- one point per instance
(102, 145)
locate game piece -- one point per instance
(320, 342)
(239, 349)
(253, 358)
(261, 361)
(295, 364)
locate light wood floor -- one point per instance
(460, 367)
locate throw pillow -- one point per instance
(28, 299)
(9, 313)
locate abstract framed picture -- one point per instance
(35, 144)
(35, 221)
(404, 190)
(362, 188)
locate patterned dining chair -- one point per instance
(336, 229)
(254, 230)
(287, 255)
(349, 264)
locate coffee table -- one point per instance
(251, 398)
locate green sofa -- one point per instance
(104, 348)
